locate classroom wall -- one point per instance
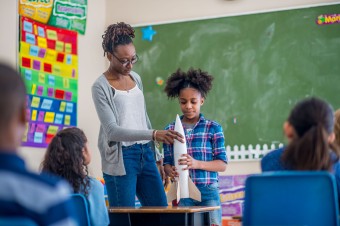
(91, 61)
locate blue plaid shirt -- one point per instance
(205, 142)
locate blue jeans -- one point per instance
(142, 179)
(210, 197)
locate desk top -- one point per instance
(161, 209)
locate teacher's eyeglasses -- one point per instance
(127, 62)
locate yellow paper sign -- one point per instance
(42, 78)
(56, 69)
(59, 46)
(66, 83)
(42, 42)
(49, 117)
(62, 106)
(34, 115)
(51, 34)
(34, 87)
(24, 48)
(35, 102)
(37, 10)
(67, 119)
(35, 29)
(51, 55)
(52, 130)
(68, 47)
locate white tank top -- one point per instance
(130, 105)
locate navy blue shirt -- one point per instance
(44, 199)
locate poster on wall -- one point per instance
(37, 10)
(48, 63)
(69, 14)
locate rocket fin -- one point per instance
(178, 192)
(194, 193)
(172, 193)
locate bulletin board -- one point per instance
(48, 63)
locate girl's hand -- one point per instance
(168, 136)
(189, 161)
(171, 172)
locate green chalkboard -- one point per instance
(262, 64)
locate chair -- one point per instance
(82, 210)
(291, 198)
(16, 221)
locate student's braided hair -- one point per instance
(115, 35)
(337, 127)
(194, 78)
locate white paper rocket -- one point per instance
(183, 187)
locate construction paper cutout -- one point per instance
(51, 55)
(50, 92)
(148, 33)
(32, 128)
(51, 44)
(67, 120)
(69, 59)
(60, 57)
(59, 119)
(28, 114)
(68, 48)
(66, 83)
(59, 46)
(42, 42)
(41, 78)
(41, 116)
(69, 107)
(42, 52)
(35, 29)
(46, 104)
(56, 69)
(28, 74)
(28, 27)
(35, 102)
(51, 34)
(30, 38)
(40, 90)
(49, 117)
(51, 80)
(62, 106)
(47, 67)
(41, 32)
(59, 94)
(38, 137)
(36, 65)
(68, 96)
(73, 73)
(34, 50)
(34, 115)
(52, 130)
(41, 128)
(26, 62)
(34, 87)
(24, 48)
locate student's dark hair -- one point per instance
(312, 120)
(64, 157)
(115, 35)
(12, 94)
(194, 78)
(337, 126)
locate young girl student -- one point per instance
(205, 140)
(126, 138)
(309, 130)
(68, 156)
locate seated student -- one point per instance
(43, 199)
(309, 130)
(68, 156)
(337, 127)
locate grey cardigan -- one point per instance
(111, 134)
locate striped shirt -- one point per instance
(205, 142)
(42, 198)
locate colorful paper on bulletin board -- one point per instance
(37, 10)
(49, 65)
(69, 14)
(232, 194)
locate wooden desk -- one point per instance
(160, 216)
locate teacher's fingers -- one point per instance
(175, 135)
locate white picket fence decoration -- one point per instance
(241, 153)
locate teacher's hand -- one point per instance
(168, 136)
